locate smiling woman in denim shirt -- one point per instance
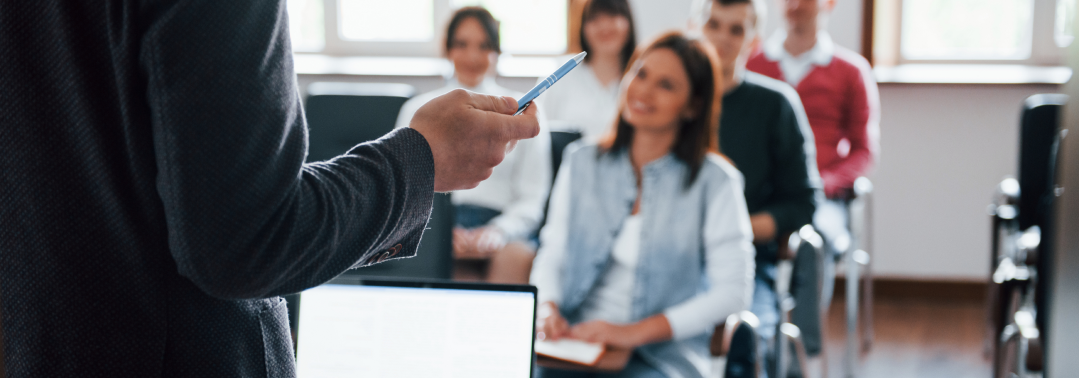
(648, 244)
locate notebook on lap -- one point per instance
(354, 327)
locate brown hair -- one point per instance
(486, 20)
(697, 136)
(612, 7)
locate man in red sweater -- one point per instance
(841, 101)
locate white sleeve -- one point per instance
(729, 264)
(531, 182)
(547, 268)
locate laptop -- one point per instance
(355, 327)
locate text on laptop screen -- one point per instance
(378, 331)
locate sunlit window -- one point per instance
(527, 26)
(306, 25)
(1065, 22)
(386, 20)
(966, 29)
(415, 27)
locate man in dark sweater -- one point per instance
(764, 131)
(153, 197)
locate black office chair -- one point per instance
(736, 341)
(559, 141)
(798, 288)
(342, 115)
(1021, 219)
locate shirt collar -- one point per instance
(821, 54)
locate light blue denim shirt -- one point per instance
(696, 254)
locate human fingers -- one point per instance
(587, 331)
(523, 126)
(497, 104)
(555, 327)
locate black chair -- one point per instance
(559, 141)
(798, 288)
(1021, 218)
(736, 341)
(342, 115)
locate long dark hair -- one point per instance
(612, 7)
(697, 136)
(489, 23)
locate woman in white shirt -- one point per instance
(586, 99)
(648, 244)
(498, 218)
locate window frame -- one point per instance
(335, 45)
(885, 35)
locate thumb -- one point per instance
(497, 104)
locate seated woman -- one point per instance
(497, 219)
(586, 99)
(648, 243)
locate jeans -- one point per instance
(472, 216)
(766, 307)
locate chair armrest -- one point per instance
(720, 343)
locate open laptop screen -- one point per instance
(442, 330)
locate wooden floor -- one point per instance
(915, 338)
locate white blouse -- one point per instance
(579, 102)
(519, 186)
(612, 299)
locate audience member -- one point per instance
(586, 99)
(840, 96)
(648, 244)
(763, 130)
(497, 219)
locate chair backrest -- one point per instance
(559, 141)
(342, 115)
(736, 339)
(1038, 129)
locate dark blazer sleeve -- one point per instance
(246, 218)
(792, 204)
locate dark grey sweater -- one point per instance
(153, 197)
(759, 131)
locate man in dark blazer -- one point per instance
(153, 198)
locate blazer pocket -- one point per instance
(277, 340)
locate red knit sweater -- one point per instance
(842, 103)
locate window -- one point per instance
(966, 29)
(416, 27)
(971, 31)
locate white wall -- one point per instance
(943, 150)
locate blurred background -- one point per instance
(953, 77)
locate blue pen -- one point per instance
(523, 103)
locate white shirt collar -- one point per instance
(821, 54)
